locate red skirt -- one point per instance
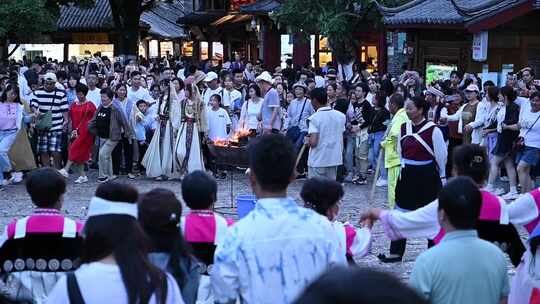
(79, 149)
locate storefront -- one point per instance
(488, 38)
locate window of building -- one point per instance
(187, 48)
(209, 5)
(204, 50)
(325, 54)
(286, 49)
(369, 55)
(217, 52)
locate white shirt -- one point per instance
(208, 93)
(319, 81)
(94, 96)
(140, 94)
(330, 125)
(273, 253)
(102, 283)
(229, 97)
(218, 121)
(529, 129)
(249, 114)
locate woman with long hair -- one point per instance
(193, 130)
(159, 214)
(159, 159)
(115, 267)
(507, 117)
(12, 115)
(124, 149)
(526, 282)
(251, 109)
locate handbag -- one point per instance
(44, 123)
(294, 132)
(519, 143)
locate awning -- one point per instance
(231, 19)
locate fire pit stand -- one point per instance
(230, 157)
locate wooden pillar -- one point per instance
(159, 48)
(301, 51)
(66, 52)
(382, 48)
(271, 48)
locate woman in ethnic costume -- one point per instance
(159, 159)
(193, 125)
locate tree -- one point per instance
(336, 19)
(22, 20)
(126, 18)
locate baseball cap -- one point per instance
(211, 76)
(50, 77)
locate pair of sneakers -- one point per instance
(80, 180)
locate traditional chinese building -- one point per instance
(84, 31)
(475, 36)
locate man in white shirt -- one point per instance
(270, 116)
(94, 93)
(136, 92)
(277, 249)
(325, 137)
(213, 88)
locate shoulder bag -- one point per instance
(519, 143)
(44, 123)
(294, 132)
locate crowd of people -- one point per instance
(157, 119)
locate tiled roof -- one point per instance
(444, 12)
(160, 19)
(260, 7)
(97, 17)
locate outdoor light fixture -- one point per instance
(253, 23)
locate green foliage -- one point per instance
(22, 19)
(335, 19)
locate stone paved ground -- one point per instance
(14, 202)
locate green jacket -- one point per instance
(390, 143)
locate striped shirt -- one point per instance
(55, 101)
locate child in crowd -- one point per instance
(202, 227)
(324, 196)
(219, 121)
(142, 129)
(219, 126)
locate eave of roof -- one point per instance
(260, 7)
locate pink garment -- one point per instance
(350, 234)
(43, 221)
(203, 227)
(490, 211)
(8, 115)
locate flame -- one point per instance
(235, 138)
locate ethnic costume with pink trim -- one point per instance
(36, 250)
(203, 230)
(494, 225)
(526, 282)
(356, 243)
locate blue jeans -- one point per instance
(7, 137)
(374, 150)
(349, 154)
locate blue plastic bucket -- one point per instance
(244, 204)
